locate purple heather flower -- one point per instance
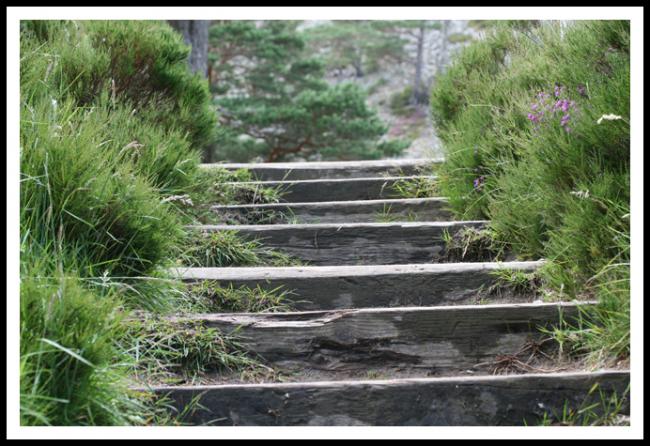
(565, 120)
(478, 182)
(552, 106)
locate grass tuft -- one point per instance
(227, 248)
(172, 352)
(218, 186)
(607, 410)
(210, 297)
(416, 188)
(472, 245)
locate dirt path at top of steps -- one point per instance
(374, 303)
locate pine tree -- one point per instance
(361, 44)
(274, 102)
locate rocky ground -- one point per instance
(415, 125)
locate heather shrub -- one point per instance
(535, 125)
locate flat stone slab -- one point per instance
(435, 339)
(362, 286)
(329, 169)
(458, 401)
(342, 189)
(354, 243)
(354, 211)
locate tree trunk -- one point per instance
(418, 94)
(441, 60)
(358, 69)
(195, 34)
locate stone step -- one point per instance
(355, 211)
(454, 401)
(336, 287)
(435, 340)
(342, 189)
(330, 169)
(354, 243)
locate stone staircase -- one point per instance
(381, 332)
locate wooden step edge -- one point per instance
(316, 226)
(265, 272)
(321, 317)
(350, 203)
(461, 380)
(324, 165)
(274, 183)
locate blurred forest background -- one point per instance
(324, 90)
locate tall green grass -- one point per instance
(68, 370)
(112, 124)
(554, 185)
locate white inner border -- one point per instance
(15, 14)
